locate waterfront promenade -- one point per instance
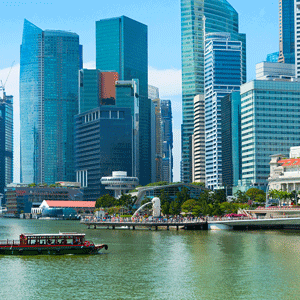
(209, 223)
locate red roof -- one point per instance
(88, 204)
(289, 162)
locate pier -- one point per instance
(211, 223)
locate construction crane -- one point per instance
(2, 86)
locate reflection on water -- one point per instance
(145, 264)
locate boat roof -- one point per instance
(61, 234)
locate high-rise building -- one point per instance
(297, 38)
(50, 61)
(167, 140)
(272, 70)
(96, 88)
(122, 46)
(223, 75)
(231, 140)
(272, 57)
(198, 146)
(270, 123)
(103, 144)
(153, 92)
(286, 32)
(6, 141)
(198, 18)
(127, 92)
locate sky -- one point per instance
(258, 19)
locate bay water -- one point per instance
(148, 264)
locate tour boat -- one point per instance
(53, 244)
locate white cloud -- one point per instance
(89, 65)
(168, 81)
(12, 88)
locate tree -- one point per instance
(253, 193)
(174, 208)
(165, 208)
(182, 196)
(105, 201)
(241, 197)
(218, 196)
(188, 205)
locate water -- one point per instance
(145, 264)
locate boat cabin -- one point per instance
(52, 239)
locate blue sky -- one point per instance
(258, 19)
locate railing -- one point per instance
(9, 242)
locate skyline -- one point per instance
(258, 21)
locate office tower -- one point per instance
(271, 70)
(89, 90)
(103, 144)
(153, 92)
(272, 57)
(50, 61)
(297, 38)
(127, 96)
(158, 140)
(270, 124)
(231, 140)
(198, 149)
(122, 46)
(223, 75)
(286, 32)
(167, 140)
(153, 141)
(198, 18)
(6, 141)
(96, 88)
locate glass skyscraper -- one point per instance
(50, 61)
(199, 17)
(223, 75)
(270, 124)
(103, 144)
(122, 46)
(6, 141)
(286, 32)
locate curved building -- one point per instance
(199, 17)
(119, 183)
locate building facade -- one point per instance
(223, 75)
(231, 140)
(286, 32)
(297, 37)
(6, 141)
(127, 92)
(272, 57)
(167, 140)
(153, 92)
(270, 123)
(122, 46)
(198, 146)
(50, 61)
(198, 18)
(285, 172)
(103, 144)
(273, 70)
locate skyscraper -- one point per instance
(6, 141)
(122, 46)
(270, 123)
(167, 140)
(50, 61)
(297, 38)
(223, 75)
(103, 144)
(286, 32)
(197, 18)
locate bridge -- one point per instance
(284, 222)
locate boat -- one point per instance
(49, 244)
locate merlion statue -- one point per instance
(156, 207)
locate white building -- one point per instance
(119, 183)
(271, 70)
(285, 172)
